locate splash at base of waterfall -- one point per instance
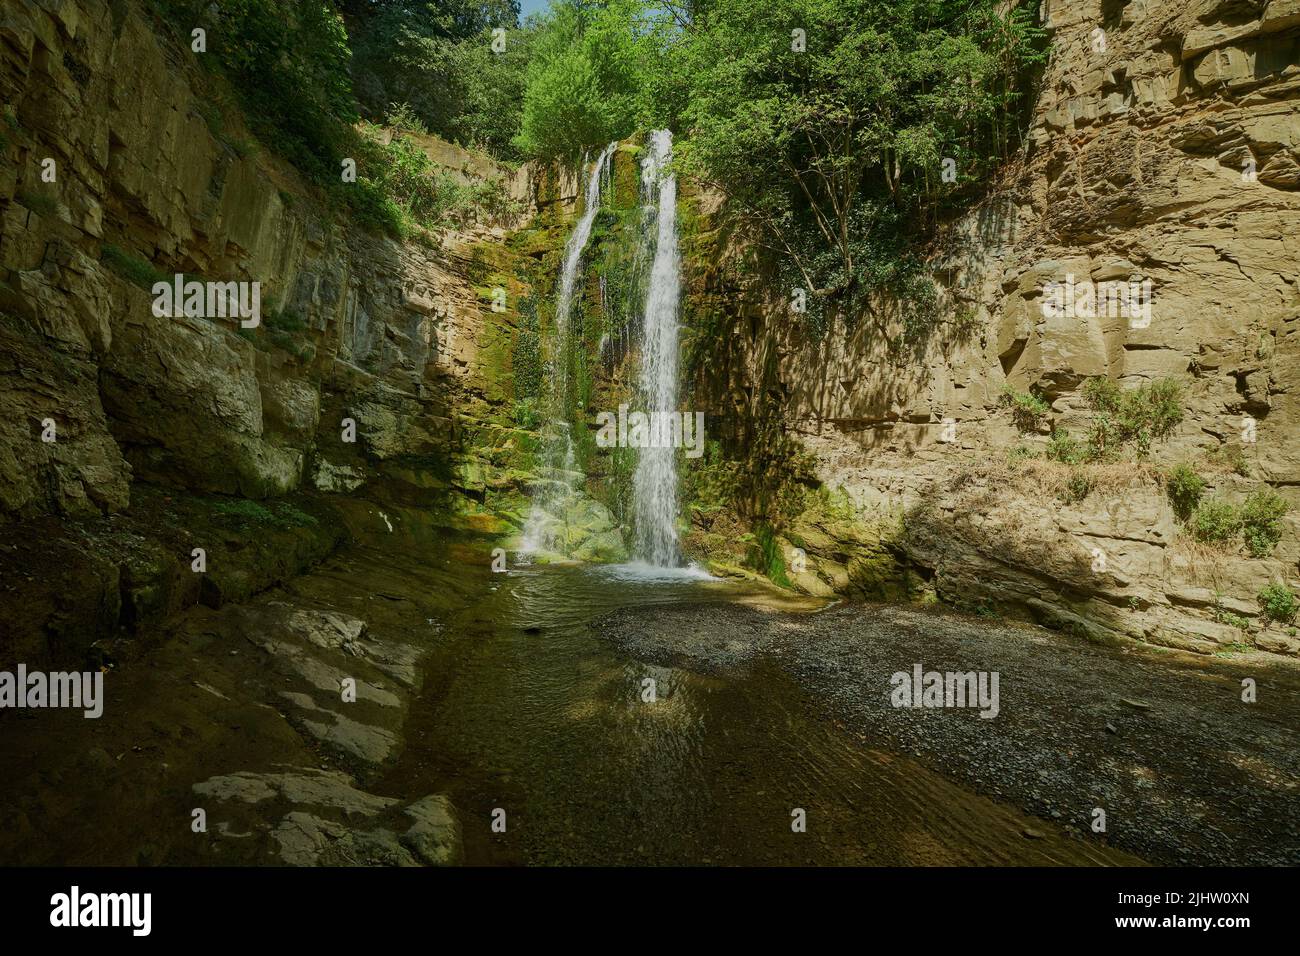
(562, 521)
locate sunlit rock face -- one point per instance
(1163, 148)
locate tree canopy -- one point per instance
(831, 123)
(840, 130)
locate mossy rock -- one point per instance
(586, 517)
(626, 176)
(730, 569)
(471, 475)
(517, 479)
(606, 547)
(414, 475)
(810, 583)
(920, 590)
(877, 574)
(806, 535)
(537, 243)
(516, 518)
(481, 522)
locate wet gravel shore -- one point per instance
(1162, 742)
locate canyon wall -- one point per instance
(125, 162)
(1164, 144)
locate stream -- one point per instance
(527, 710)
(524, 696)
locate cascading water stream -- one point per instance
(540, 531)
(654, 486)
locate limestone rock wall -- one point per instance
(1165, 144)
(146, 184)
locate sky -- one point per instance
(532, 6)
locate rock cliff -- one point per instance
(376, 363)
(1163, 146)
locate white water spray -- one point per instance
(543, 527)
(654, 486)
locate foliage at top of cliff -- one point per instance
(440, 61)
(292, 63)
(289, 64)
(841, 131)
(830, 124)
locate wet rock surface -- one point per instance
(331, 823)
(1185, 771)
(269, 716)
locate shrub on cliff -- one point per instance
(1066, 449)
(1138, 415)
(1215, 521)
(398, 186)
(1079, 486)
(1184, 487)
(1028, 411)
(1258, 521)
(1261, 521)
(1279, 603)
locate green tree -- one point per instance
(438, 60)
(587, 77)
(288, 62)
(826, 123)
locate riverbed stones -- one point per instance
(326, 629)
(435, 836)
(314, 655)
(363, 742)
(305, 840)
(1058, 746)
(331, 823)
(300, 785)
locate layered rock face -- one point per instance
(141, 179)
(125, 164)
(1164, 146)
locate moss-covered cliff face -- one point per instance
(601, 351)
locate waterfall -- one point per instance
(544, 527)
(654, 486)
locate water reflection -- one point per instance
(528, 709)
